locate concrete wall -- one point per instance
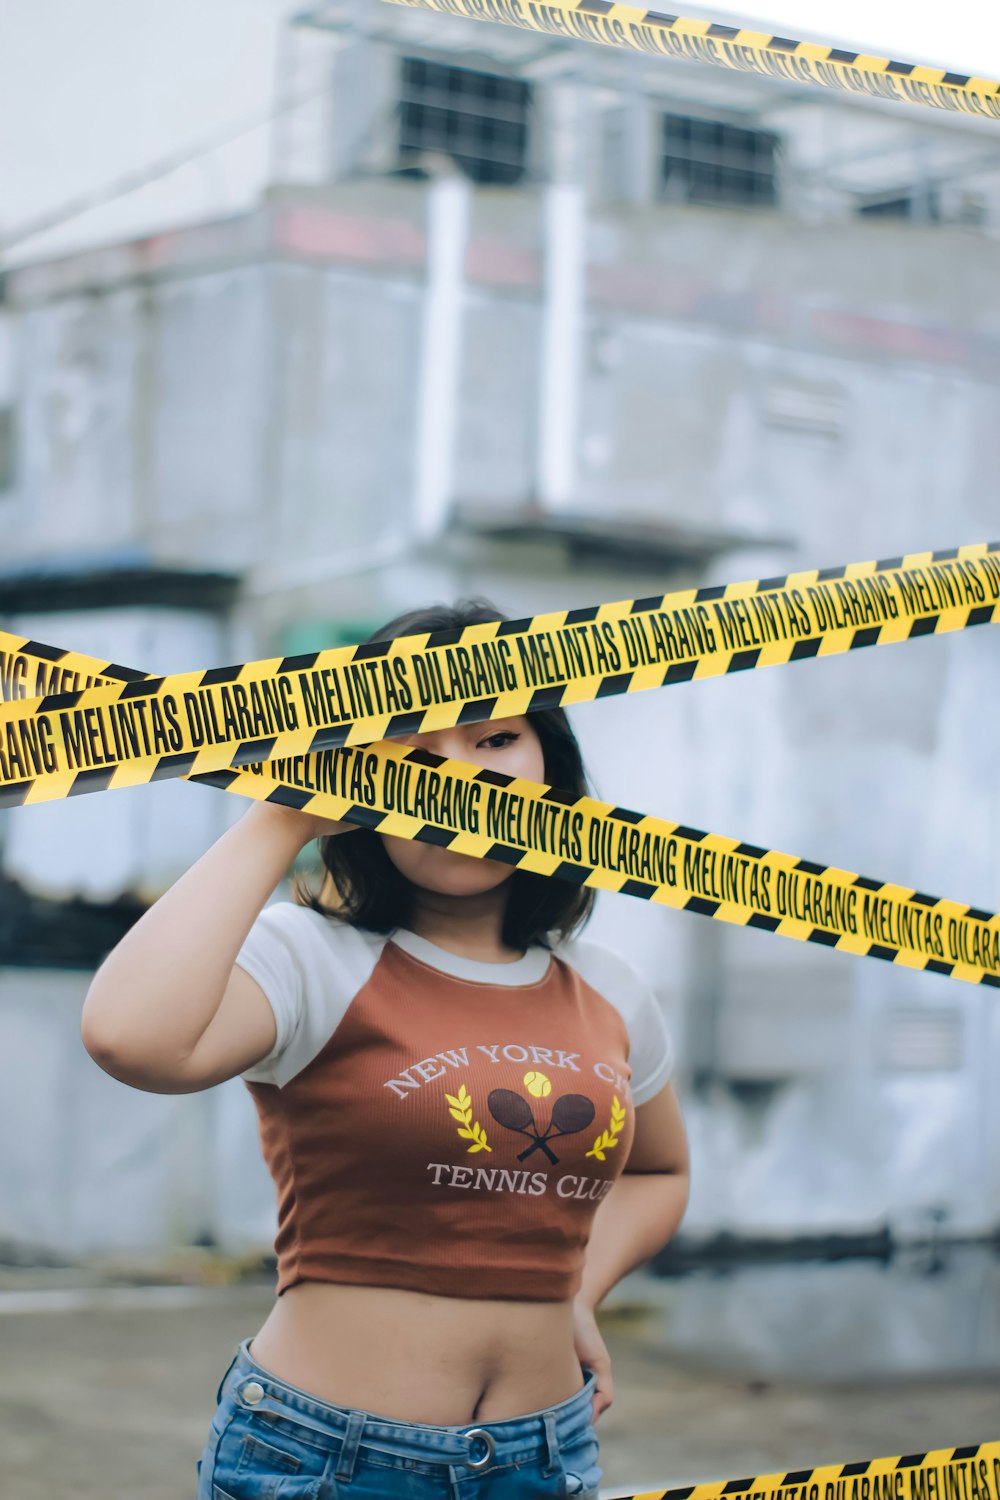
(245, 398)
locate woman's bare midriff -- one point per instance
(419, 1358)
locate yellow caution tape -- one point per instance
(665, 35)
(970, 1473)
(412, 793)
(145, 729)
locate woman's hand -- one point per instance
(592, 1351)
(307, 826)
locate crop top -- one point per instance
(438, 1123)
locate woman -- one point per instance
(449, 1084)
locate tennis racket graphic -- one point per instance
(570, 1114)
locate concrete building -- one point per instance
(557, 325)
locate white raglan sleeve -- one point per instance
(270, 955)
(652, 1052)
(651, 1049)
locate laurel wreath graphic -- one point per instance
(461, 1109)
(608, 1138)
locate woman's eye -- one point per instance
(501, 734)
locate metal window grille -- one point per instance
(8, 448)
(711, 161)
(479, 120)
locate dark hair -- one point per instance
(372, 893)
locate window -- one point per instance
(480, 120)
(923, 206)
(710, 161)
(8, 448)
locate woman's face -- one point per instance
(508, 745)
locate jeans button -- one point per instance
(253, 1392)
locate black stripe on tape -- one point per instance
(910, 1460)
(743, 661)
(681, 1494)
(978, 915)
(879, 950)
(557, 794)
(861, 1466)
(551, 697)
(825, 939)
(981, 615)
(252, 750)
(174, 765)
(639, 606)
(754, 851)
(991, 980)
(693, 835)
(419, 755)
(714, 591)
(765, 923)
(945, 554)
(959, 80)
(837, 54)
(638, 888)
(221, 778)
(824, 575)
(926, 625)
(596, 7)
(657, 18)
(810, 868)
(626, 815)
(613, 685)
(428, 834)
(408, 723)
(289, 796)
(803, 649)
(783, 43)
(798, 1476)
(212, 675)
(681, 671)
(580, 616)
(368, 649)
(97, 779)
(146, 688)
(920, 899)
(867, 637)
(903, 68)
(969, 1452)
(300, 663)
(482, 708)
(772, 583)
(868, 885)
(576, 873)
(726, 32)
(367, 817)
(46, 653)
(14, 793)
(888, 562)
(448, 635)
(936, 966)
(123, 674)
(493, 778)
(329, 739)
(52, 701)
(737, 1486)
(701, 906)
(505, 854)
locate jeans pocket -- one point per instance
(582, 1474)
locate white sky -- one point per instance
(93, 89)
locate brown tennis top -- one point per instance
(441, 1124)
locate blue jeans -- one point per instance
(269, 1440)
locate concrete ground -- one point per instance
(106, 1393)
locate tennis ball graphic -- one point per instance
(537, 1085)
